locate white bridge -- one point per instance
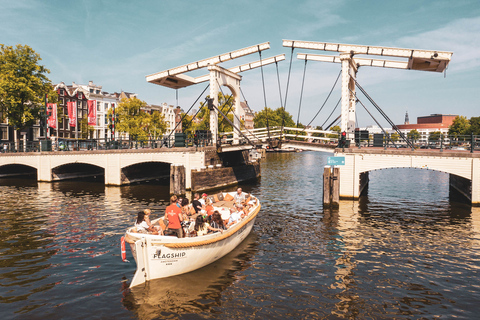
(117, 166)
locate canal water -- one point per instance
(402, 252)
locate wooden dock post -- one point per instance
(326, 185)
(331, 186)
(177, 180)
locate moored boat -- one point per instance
(159, 256)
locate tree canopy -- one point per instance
(460, 126)
(140, 125)
(202, 119)
(23, 85)
(275, 118)
(413, 135)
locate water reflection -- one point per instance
(195, 292)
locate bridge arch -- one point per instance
(17, 170)
(75, 170)
(145, 171)
(464, 171)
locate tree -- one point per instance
(276, 118)
(394, 137)
(131, 119)
(23, 85)
(475, 125)
(158, 125)
(434, 136)
(202, 119)
(413, 135)
(85, 129)
(459, 127)
(336, 129)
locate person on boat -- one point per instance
(142, 225)
(236, 215)
(240, 196)
(147, 213)
(217, 221)
(179, 202)
(208, 207)
(174, 216)
(197, 205)
(202, 227)
(203, 200)
(185, 206)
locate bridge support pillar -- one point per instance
(476, 182)
(44, 172)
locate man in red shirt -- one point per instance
(173, 215)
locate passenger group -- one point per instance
(198, 218)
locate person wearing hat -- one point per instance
(236, 215)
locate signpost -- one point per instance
(336, 161)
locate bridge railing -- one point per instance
(437, 141)
(260, 135)
(66, 144)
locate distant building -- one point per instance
(428, 124)
(81, 94)
(247, 115)
(173, 116)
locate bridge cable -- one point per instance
(331, 90)
(333, 122)
(233, 126)
(281, 99)
(168, 138)
(336, 106)
(235, 116)
(384, 115)
(301, 92)
(264, 94)
(378, 124)
(286, 89)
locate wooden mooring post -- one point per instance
(177, 180)
(331, 186)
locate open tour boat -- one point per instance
(159, 256)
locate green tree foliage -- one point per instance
(336, 129)
(140, 125)
(460, 126)
(85, 129)
(275, 118)
(434, 136)
(413, 135)
(475, 125)
(395, 137)
(202, 119)
(23, 85)
(158, 125)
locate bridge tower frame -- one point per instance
(176, 78)
(422, 60)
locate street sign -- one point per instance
(336, 161)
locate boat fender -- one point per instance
(124, 251)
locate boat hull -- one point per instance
(161, 256)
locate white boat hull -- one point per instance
(166, 256)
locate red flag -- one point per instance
(52, 120)
(72, 113)
(92, 112)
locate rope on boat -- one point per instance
(225, 235)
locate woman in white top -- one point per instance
(142, 225)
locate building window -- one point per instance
(91, 90)
(62, 92)
(3, 133)
(98, 92)
(98, 105)
(79, 95)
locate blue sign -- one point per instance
(336, 161)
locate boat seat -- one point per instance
(225, 204)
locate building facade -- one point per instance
(427, 124)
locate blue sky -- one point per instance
(117, 43)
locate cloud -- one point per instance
(460, 36)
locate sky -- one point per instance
(116, 44)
